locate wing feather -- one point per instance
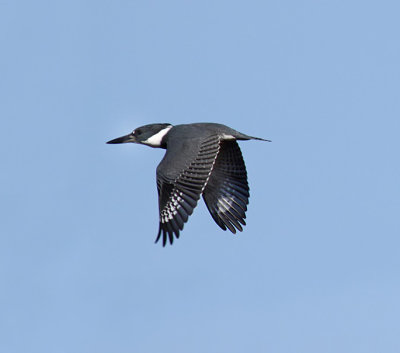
(227, 192)
(178, 196)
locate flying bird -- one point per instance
(201, 159)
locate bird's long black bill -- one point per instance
(123, 139)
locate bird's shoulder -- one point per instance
(184, 146)
(202, 129)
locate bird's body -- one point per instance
(201, 159)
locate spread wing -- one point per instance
(227, 192)
(179, 188)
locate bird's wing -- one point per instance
(227, 192)
(179, 190)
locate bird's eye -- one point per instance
(137, 132)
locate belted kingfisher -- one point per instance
(200, 159)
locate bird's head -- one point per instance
(151, 135)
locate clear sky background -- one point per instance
(316, 269)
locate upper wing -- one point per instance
(227, 192)
(179, 189)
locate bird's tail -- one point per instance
(260, 139)
(247, 137)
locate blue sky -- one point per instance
(316, 268)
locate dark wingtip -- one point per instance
(158, 235)
(167, 235)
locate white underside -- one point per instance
(155, 140)
(228, 137)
